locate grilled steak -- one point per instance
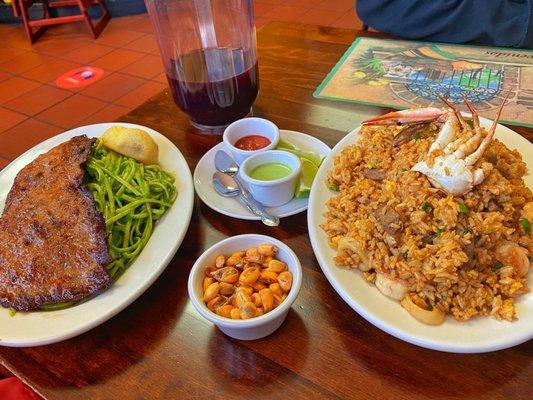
(53, 244)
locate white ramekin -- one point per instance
(245, 127)
(253, 328)
(276, 192)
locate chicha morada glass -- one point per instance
(209, 52)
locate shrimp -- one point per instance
(347, 243)
(393, 288)
(511, 254)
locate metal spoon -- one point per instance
(224, 186)
(224, 163)
(227, 186)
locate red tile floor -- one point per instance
(30, 103)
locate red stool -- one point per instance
(20, 8)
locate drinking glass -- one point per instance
(209, 51)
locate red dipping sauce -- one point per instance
(252, 142)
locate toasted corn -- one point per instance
(248, 310)
(220, 261)
(276, 289)
(267, 249)
(268, 277)
(235, 313)
(279, 299)
(266, 260)
(285, 281)
(235, 259)
(249, 275)
(211, 291)
(226, 289)
(257, 286)
(252, 255)
(256, 299)
(241, 297)
(216, 302)
(225, 310)
(246, 284)
(226, 274)
(267, 299)
(277, 266)
(207, 281)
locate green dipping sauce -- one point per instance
(270, 172)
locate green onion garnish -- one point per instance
(426, 207)
(430, 307)
(415, 136)
(526, 226)
(439, 232)
(333, 186)
(496, 266)
(463, 208)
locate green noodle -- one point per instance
(131, 196)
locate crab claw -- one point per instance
(408, 117)
(450, 174)
(458, 150)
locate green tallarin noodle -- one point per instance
(131, 196)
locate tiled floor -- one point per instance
(30, 103)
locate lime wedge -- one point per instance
(286, 145)
(309, 155)
(309, 170)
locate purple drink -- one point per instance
(213, 85)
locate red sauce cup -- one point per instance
(248, 127)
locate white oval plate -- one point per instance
(203, 175)
(40, 328)
(477, 335)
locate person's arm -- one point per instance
(493, 22)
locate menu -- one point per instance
(404, 74)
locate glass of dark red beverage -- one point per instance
(209, 51)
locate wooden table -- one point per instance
(160, 348)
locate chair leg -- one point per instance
(16, 8)
(23, 8)
(20, 7)
(95, 29)
(46, 9)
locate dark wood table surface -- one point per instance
(160, 348)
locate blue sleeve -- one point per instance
(491, 22)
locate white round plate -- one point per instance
(45, 327)
(477, 335)
(203, 175)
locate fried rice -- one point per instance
(443, 248)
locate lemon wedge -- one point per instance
(132, 142)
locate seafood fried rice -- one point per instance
(464, 255)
